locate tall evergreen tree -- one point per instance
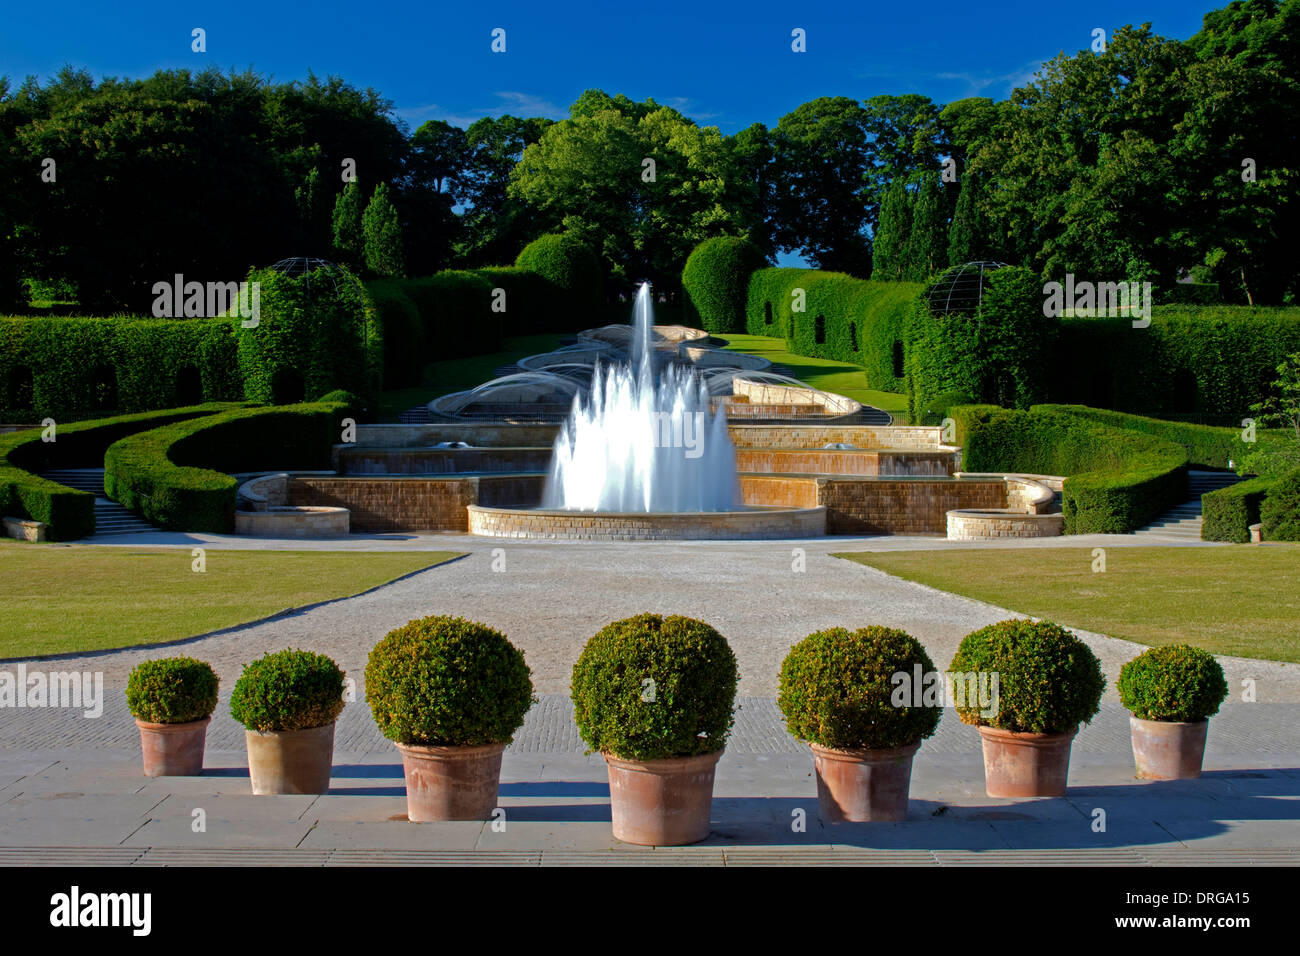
(927, 246)
(967, 239)
(313, 215)
(349, 245)
(382, 231)
(889, 246)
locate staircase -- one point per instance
(110, 517)
(1184, 521)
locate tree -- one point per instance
(967, 234)
(821, 202)
(383, 235)
(496, 226)
(349, 240)
(889, 247)
(927, 248)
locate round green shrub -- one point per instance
(446, 681)
(356, 407)
(837, 689)
(650, 687)
(173, 690)
(1177, 683)
(1049, 681)
(1279, 513)
(716, 282)
(568, 263)
(288, 690)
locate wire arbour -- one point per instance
(961, 288)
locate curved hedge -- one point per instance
(1116, 481)
(179, 476)
(1280, 511)
(75, 368)
(568, 263)
(69, 513)
(1228, 513)
(852, 320)
(715, 282)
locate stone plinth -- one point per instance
(621, 526)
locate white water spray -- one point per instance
(643, 442)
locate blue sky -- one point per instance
(722, 64)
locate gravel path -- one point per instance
(549, 597)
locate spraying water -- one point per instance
(643, 442)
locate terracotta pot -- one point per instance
(1024, 764)
(1167, 749)
(661, 802)
(290, 761)
(859, 786)
(451, 783)
(173, 750)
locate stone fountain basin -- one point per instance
(750, 523)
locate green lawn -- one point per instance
(459, 374)
(1240, 600)
(63, 598)
(828, 375)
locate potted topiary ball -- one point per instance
(839, 692)
(172, 701)
(451, 694)
(1027, 685)
(288, 702)
(1171, 692)
(655, 696)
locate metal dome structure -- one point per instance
(304, 266)
(961, 288)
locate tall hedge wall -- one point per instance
(179, 476)
(1116, 481)
(69, 513)
(1228, 513)
(70, 369)
(570, 265)
(1212, 361)
(851, 320)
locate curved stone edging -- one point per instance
(982, 524)
(535, 523)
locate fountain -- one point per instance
(644, 439)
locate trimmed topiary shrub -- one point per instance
(356, 407)
(569, 264)
(446, 681)
(1280, 511)
(288, 690)
(837, 689)
(1049, 681)
(650, 687)
(715, 282)
(1175, 683)
(172, 690)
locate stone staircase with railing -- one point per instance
(110, 517)
(1184, 521)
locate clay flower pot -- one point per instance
(451, 783)
(860, 786)
(1168, 749)
(290, 761)
(661, 802)
(173, 750)
(1025, 764)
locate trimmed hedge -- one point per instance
(570, 265)
(172, 690)
(76, 368)
(1227, 514)
(179, 476)
(1116, 481)
(69, 513)
(1280, 512)
(402, 330)
(1213, 361)
(316, 332)
(288, 690)
(715, 283)
(860, 321)
(1177, 682)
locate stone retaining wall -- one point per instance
(294, 522)
(587, 526)
(983, 525)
